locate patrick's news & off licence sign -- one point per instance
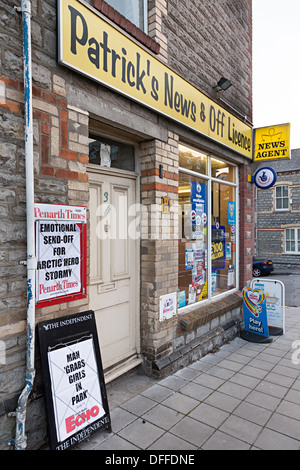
(92, 47)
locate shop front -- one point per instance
(164, 207)
(132, 140)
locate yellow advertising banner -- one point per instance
(272, 143)
(91, 46)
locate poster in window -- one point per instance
(218, 247)
(231, 213)
(198, 204)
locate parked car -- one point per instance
(262, 267)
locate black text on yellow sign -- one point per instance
(93, 47)
(272, 143)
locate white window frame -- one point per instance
(282, 198)
(210, 179)
(145, 25)
(297, 240)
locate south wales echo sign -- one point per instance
(91, 46)
(72, 371)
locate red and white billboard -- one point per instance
(60, 253)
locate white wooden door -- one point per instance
(113, 271)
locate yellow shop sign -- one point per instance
(91, 46)
(271, 143)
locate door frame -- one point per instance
(119, 369)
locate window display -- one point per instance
(207, 227)
(192, 280)
(223, 238)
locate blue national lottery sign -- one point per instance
(255, 311)
(265, 178)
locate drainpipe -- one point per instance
(20, 413)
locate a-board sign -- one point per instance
(275, 299)
(255, 311)
(75, 393)
(60, 252)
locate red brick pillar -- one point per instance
(246, 225)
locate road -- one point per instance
(292, 287)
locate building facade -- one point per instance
(130, 123)
(277, 215)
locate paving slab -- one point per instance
(245, 396)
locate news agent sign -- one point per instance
(75, 394)
(60, 253)
(264, 178)
(255, 311)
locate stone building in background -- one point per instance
(131, 122)
(277, 215)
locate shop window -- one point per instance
(282, 198)
(133, 10)
(192, 160)
(223, 241)
(292, 240)
(207, 227)
(193, 244)
(222, 170)
(112, 154)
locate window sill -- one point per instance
(126, 25)
(205, 313)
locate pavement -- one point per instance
(245, 396)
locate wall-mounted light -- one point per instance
(223, 84)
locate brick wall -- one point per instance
(246, 225)
(159, 245)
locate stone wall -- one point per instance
(271, 223)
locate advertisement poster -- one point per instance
(218, 247)
(231, 213)
(75, 393)
(230, 277)
(255, 311)
(198, 204)
(181, 298)
(60, 252)
(273, 291)
(189, 258)
(199, 273)
(228, 250)
(167, 306)
(75, 387)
